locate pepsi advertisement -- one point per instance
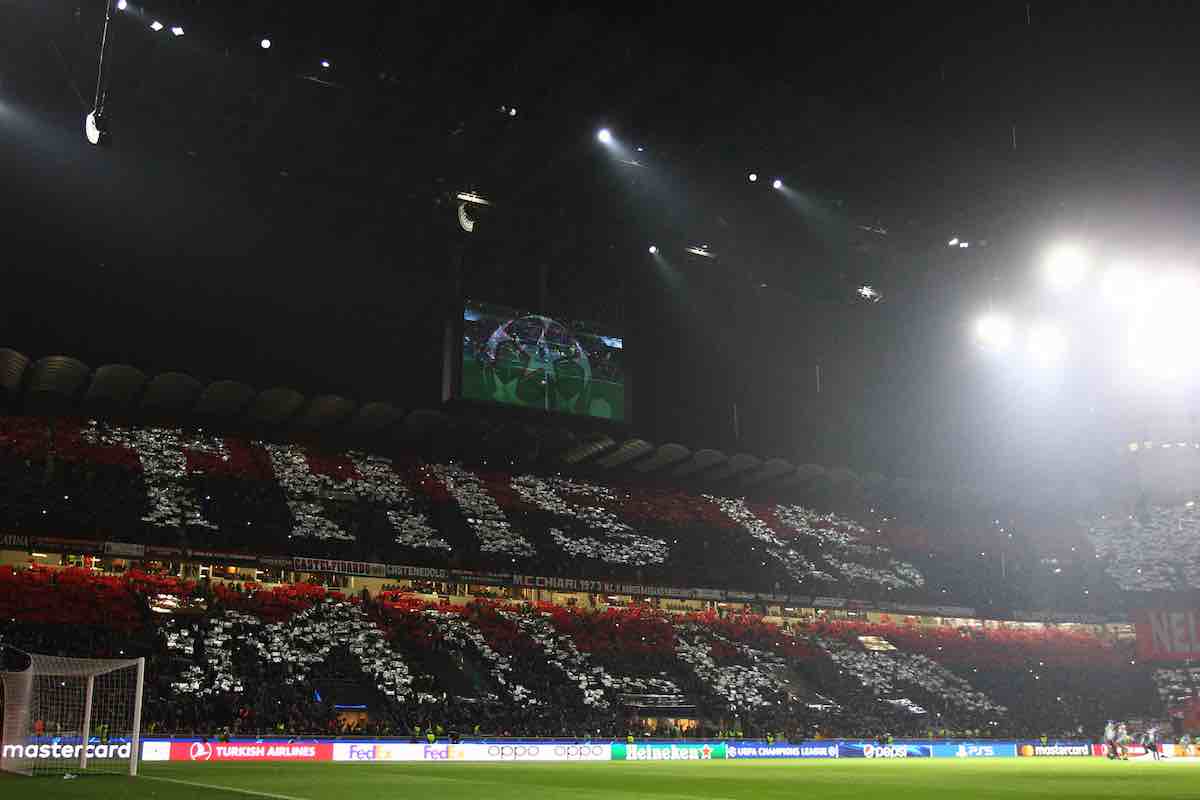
(876, 750)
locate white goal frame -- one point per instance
(59, 695)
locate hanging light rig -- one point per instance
(95, 124)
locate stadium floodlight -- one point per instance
(753, 177)
(953, 242)
(604, 136)
(994, 331)
(653, 249)
(1047, 344)
(177, 30)
(466, 201)
(1162, 337)
(156, 26)
(701, 250)
(265, 44)
(964, 245)
(325, 63)
(777, 184)
(1123, 285)
(122, 5)
(869, 293)
(512, 112)
(1065, 265)
(95, 128)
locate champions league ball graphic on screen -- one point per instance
(536, 361)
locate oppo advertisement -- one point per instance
(521, 358)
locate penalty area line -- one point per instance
(216, 787)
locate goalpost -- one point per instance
(71, 715)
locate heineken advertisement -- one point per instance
(699, 751)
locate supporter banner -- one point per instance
(153, 551)
(1061, 617)
(975, 750)
(928, 611)
(1167, 635)
(246, 751)
(11, 541)
(223, 557)
(801, 750)
(484, 578)
(58, 544)
(874, 750)
(1056, 749)
(276, 562)
(124, 549)
(690, 751)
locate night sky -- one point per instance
(262, 219)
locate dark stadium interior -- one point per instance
(426, 371)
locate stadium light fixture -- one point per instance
(122, 5)
(604, 136)
(1065, 265)
(701, 250)
(953, 242)
(95, 128)
(653, 249)
(1047, 344)
(466, 201)
(177, 30)
(1123, 285)
(994, 331)
(265, 44)
(156, 26)
(777, 184)
(869, 293)
(752, 177)
(325, 63)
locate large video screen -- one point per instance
(526, 359)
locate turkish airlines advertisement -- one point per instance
(1167, 635)
(236, 751)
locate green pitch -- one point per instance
(717, 780)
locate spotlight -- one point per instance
(1123, 285)
(512, 112)
(994, 331)
(777, 184)
(753, 176)
(964, 245)
(122, 5)
(156, 26)
(604, 135)
(325, 63)
(474, 198)
(265, 44)
(953, 242)
(1065, 265)
(869, 293)
(178, 31)
(1047, 344)
(466, 201)
(95, 128)
(653, 249)
(701, 250)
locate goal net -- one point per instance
(71, 715)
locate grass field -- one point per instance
(717, 780)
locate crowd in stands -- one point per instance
(1156, 548)
(252, 659)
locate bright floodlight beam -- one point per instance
(994, 331)
(1047, 344)
(604, 136)
(777, 184)
(122, 5)
(1065, 265)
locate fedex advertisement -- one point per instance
(473, 751)
(876, 750)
